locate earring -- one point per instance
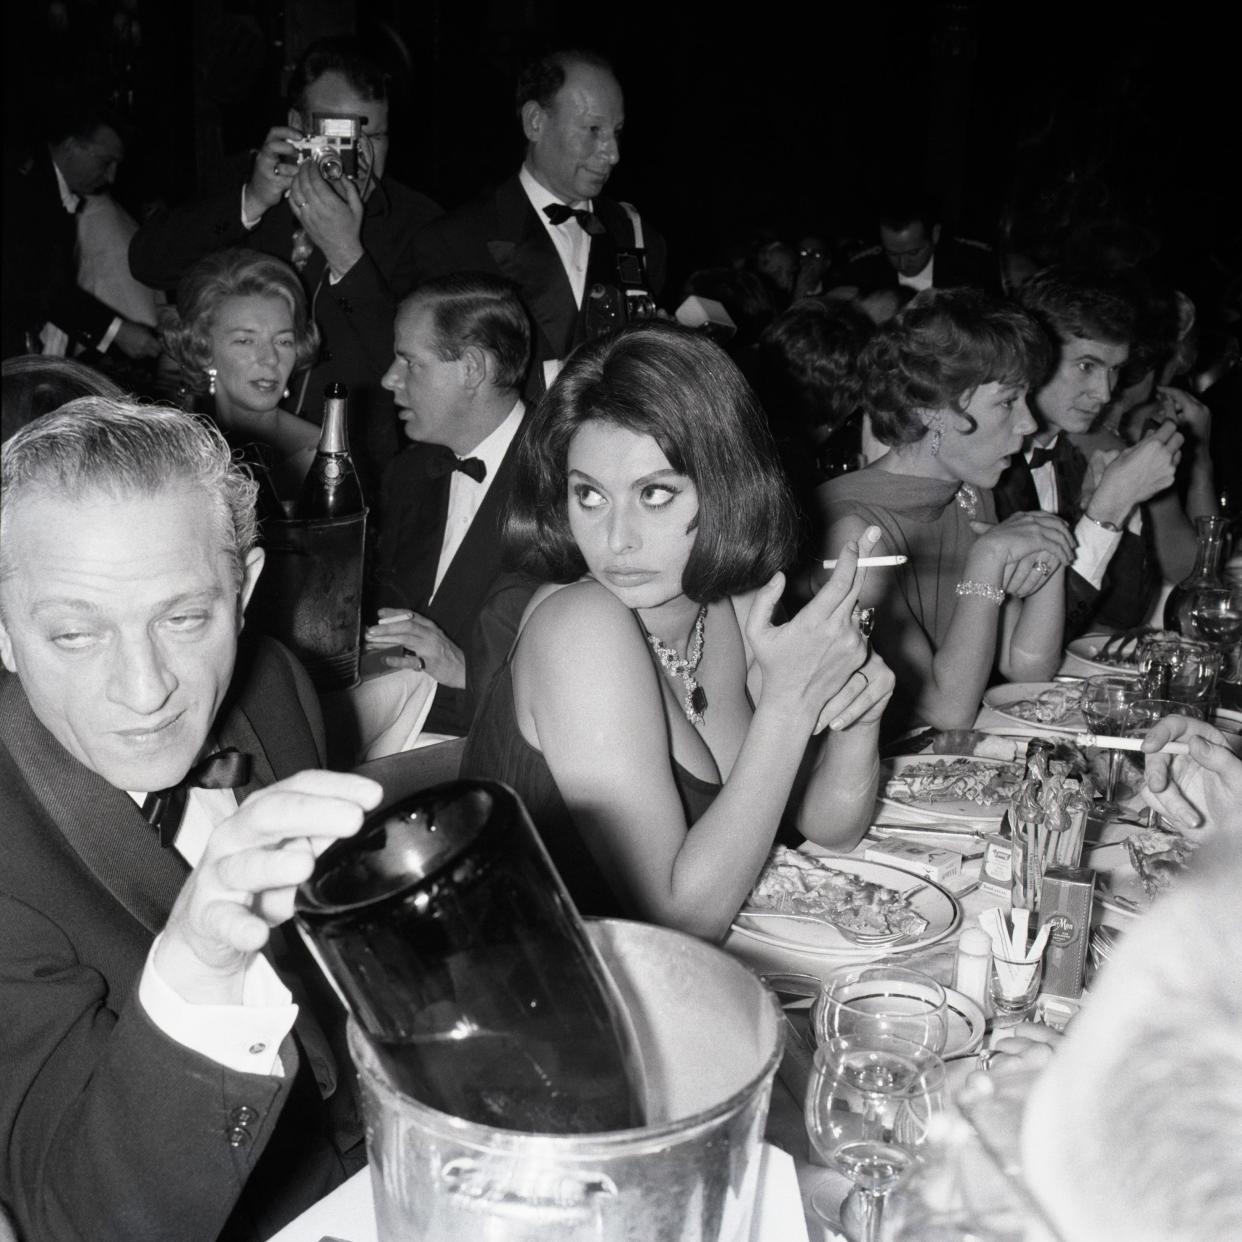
(936, 435)
(211, 381)
(286, 396)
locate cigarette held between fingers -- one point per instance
(870, 562)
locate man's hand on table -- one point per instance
(245, 882)
(422, 643)
(1204, 786)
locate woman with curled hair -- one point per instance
(651, 714)
(240, 332)
(946, 383)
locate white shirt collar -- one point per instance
(492, 449)
(540, 196)
(1030, 452)
(69, 200)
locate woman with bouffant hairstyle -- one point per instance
(651, 714)
(945, 382)
(241, 330)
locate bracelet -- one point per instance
(1111, 527)
(994, 595)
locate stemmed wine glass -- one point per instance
(1142, 714)
(882, 999)
(869, 1104)
(1105, 701)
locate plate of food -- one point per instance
(949, 787)
(1108, 653)
(1040, 704)
(814, 903)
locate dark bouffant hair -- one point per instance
(1070, 301)
(808, 363)
(681, 389)
(341, 54)
(936, 351)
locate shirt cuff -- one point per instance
(247, 223)
(108, 337)
(245, 1037)
(1095, 549)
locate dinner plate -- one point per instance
(1086, 648)
(966, 1022)
(1002, 698)
(819, 938)
(962, 810)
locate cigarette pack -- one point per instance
(996, 874)
(1065, 902)
(924, 860)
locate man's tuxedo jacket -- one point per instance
(1125, 596)
(959, 262)
(478, 604)
(503, 234)
(40, 269)
(111, 1130)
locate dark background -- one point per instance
(1019, 118)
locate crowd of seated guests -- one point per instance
(611, 542)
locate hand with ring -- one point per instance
(273, 172)
(419, 643)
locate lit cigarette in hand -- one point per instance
(871, 562)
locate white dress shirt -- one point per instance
(465, 495)
(1095, 545)
(920, 280)
(245, 1037)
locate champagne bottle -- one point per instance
(331, 488)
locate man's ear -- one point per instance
(6, 649)
(296, 121)
(250, 575)
(532, 120)
(476, 364)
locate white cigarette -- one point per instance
(401, 616)
(1104, 742)
(871, 562)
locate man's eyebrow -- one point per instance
(70, 603)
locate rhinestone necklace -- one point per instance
(694, 700)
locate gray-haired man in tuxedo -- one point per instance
(159, 1080)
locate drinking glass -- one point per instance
(882, 999)
(1143, 713)
(869, 1105)
(1217, 611)
(1105, 700)
(1013, 985)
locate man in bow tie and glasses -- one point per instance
(151, 1046)
(584, 263)
(462, 346)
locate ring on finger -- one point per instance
(422, 664)
(1042, 567)
(864, 618)
(866, 679)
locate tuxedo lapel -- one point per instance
(102, 824)
(1070, 468)
(1015, 492)
(524, 253)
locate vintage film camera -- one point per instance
(610, 306)
(332, 144)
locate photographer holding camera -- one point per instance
(585, 264)
(317, 196)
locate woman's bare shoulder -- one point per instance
(573, 612)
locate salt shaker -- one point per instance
(970, 969)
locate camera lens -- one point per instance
(331, 168)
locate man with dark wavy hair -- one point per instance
(581, 260)
(1103, 489)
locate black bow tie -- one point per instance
(1042, 455)
(475, 467)
(226, 769)
(558, 213)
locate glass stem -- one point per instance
(1114, 767)
(870, 1214)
